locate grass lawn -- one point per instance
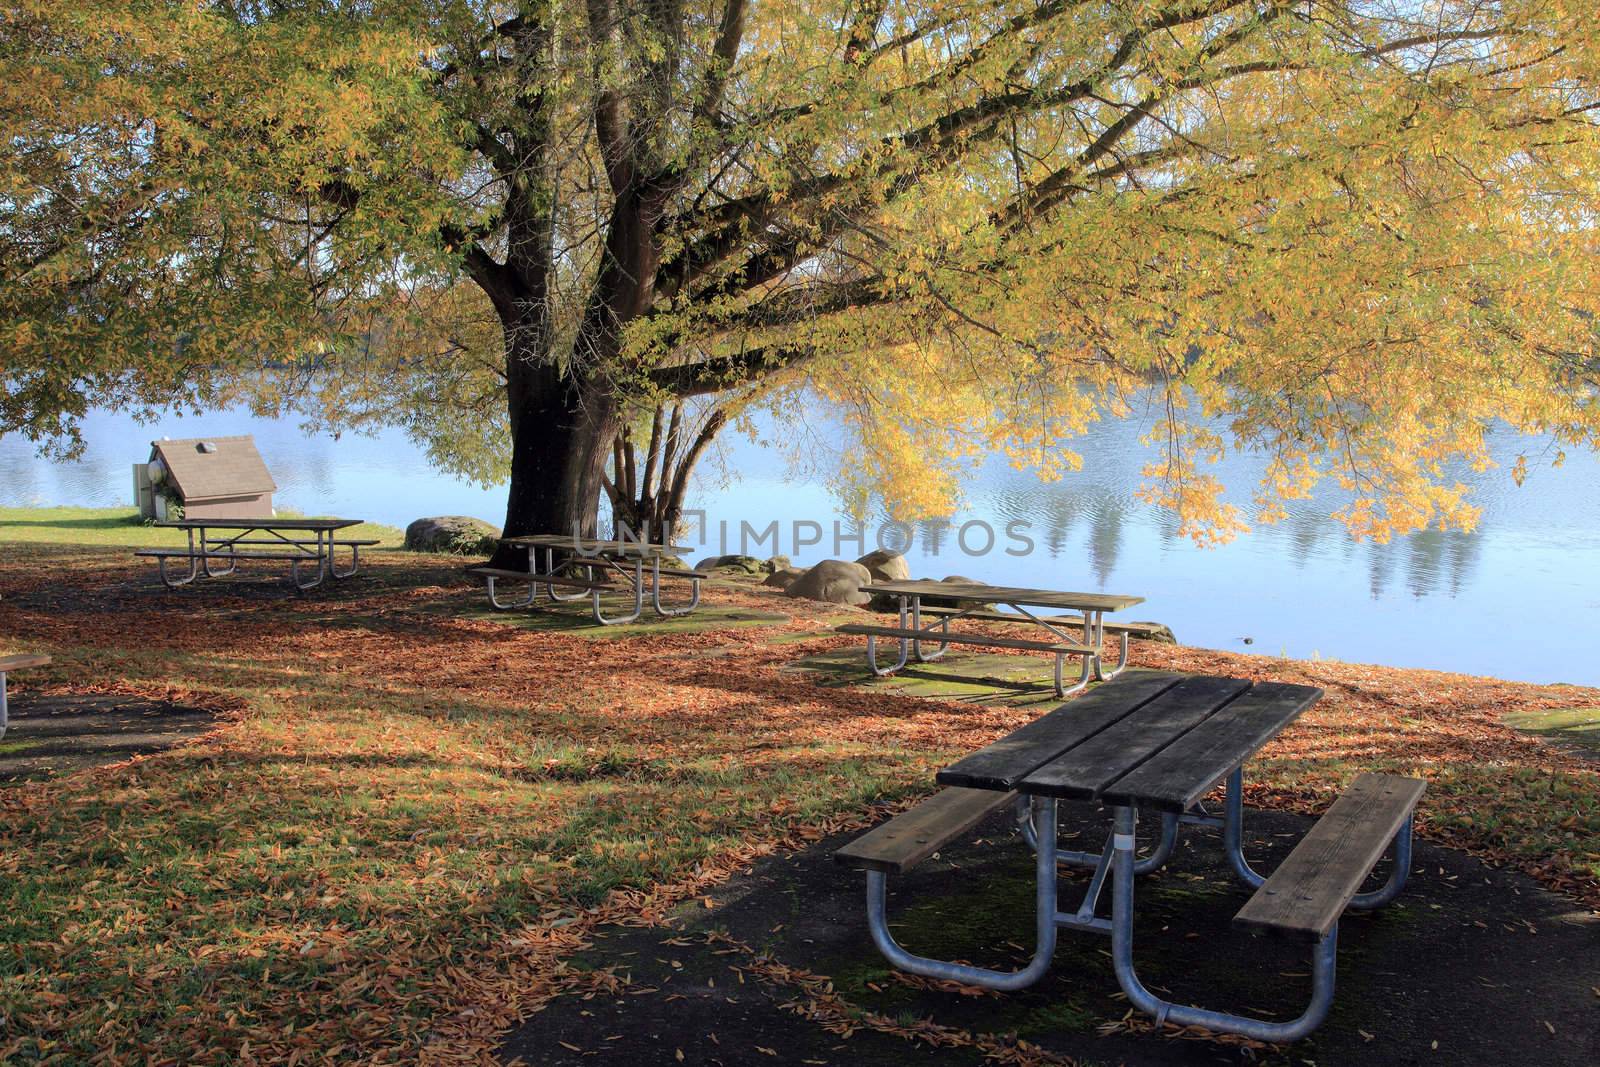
(122, 526)
(409, 816)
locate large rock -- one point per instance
(953, 602)
(1161, 634)
(886, 566)
(734, 564)
(782, 579)
(460, 534)
(833, 581)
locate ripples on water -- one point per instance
(1302, 587)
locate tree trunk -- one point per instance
(563, 424)
(561, 433)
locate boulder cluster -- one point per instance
(833, 581)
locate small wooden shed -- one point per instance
(212, 477)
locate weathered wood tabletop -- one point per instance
(1000, 594)
(309, 525)
(1154, 739)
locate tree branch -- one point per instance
(723, 53)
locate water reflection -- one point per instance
(1429, 563)
(1440, 561)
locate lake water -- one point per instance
(1519, 598)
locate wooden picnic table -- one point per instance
(977, 601)
(1158, 741)
(593, 566)
(261, 539)
(20, 661)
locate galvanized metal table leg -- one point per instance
(5, 713)
(550, 571)
(905, 648)
(205, 552)
(1094, 635)
(655, 592)
(1233, 831)
(321, 573)
(1083, 676)
(916, 624)
(294, 574)
(1072, 858)
(171, 582)
(1398, 874)
(638, 599)
(494, 602)
(355, 560)
(1045, 922)
(1122, 657)
(1324, 960)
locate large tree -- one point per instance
(1350, 233)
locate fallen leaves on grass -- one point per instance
(410, 819)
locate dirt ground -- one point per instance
(58, 734)
(1471, 966)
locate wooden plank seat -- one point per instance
(675, 573)
(1311, 889)
(912, 836)
(1060, 648)
(1133, 629)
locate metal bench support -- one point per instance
(355, 561)
(1117, 867)
(494, 601)
(655, 592)
(322, 563)
(550, 569)
(1324, 960)
(637, 577)
(1233, 844)
(172, 583)
(1045, 922)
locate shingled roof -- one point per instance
(235, 469)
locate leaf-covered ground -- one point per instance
(409, 816)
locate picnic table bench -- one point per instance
(592, 567)
(1157, 741)
(979, 603)
(18, 662)
(286, 540)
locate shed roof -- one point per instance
(235, 469)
